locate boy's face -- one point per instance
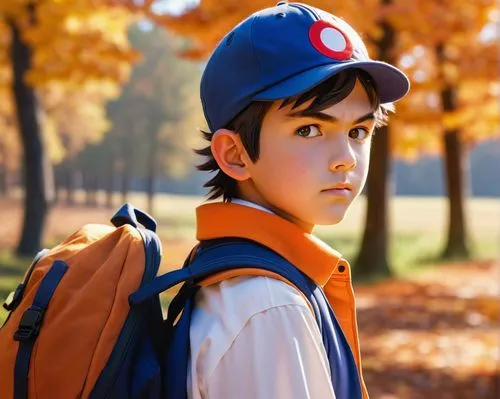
(310, 169)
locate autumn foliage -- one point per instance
(449, 50)
(471, 63)
(61, 61)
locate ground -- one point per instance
(435, 336)
(431, 333)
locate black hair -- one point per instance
(249, 122)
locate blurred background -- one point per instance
(99, 105)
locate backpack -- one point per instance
(86, 322)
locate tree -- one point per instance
(99, 159)
(154, 118)
(461, 31)
(207, 22)
(392, 30)
(372, 259)
(38, 190)
(9, 145)
(64, 42)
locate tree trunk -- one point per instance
(5, 181)
(126, 178)
(91, 189)
(59, 182)
(87, 187)
(110, 178)
(100, 184)
(38, 184)
(74, 181)
(4, 173)
(455, 168)
(372, 260)
(128, 157)
(152, 167)
(70, 185)
(456, 246)
(110, 189)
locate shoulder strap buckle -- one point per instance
(29, 326)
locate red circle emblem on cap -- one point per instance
(330, 41)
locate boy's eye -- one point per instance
(359, 133)
(308, 131)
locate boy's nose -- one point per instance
(343, 158)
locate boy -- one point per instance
(291, 99)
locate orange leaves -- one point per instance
(77, 114)
(432, 22)
(435, 337)
(80, 55)
(76, 44)
(74, 40)
(470, 58)
(207, 23)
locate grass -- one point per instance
(417, 227)
(12, 270)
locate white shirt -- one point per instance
(255, 338)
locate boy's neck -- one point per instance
(250, 204)
(265, 206)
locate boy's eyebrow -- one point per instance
(328, 118)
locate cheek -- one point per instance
(285, 167)
(363, 161)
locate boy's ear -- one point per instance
(230, 154)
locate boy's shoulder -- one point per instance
(238, 299)
(246, 321)
(224, 309)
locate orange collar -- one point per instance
(309, 254)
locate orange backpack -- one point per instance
(79, 290)
(86, 322)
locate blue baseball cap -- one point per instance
(281, 52)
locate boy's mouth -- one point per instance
(339, 186)
(340, 189)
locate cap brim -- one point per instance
(392, 84)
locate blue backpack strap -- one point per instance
(215, 259)
(237, 255)
(229, 256)
(343, 369)
(128, 214)
(30, 324)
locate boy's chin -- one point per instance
(330, 219)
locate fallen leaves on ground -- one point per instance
(437, 336)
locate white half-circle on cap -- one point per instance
(333, 39)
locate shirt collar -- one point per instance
(250, 204)
(308, 253)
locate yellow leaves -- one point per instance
(449, 73)
(427, 335)
(78, 62)
(77, 41)
(53, 142)
(410, 141)
(13, 9)
(211, 19)
(77, 113)
(9, 140)
(420, 26)
(432, 22)
(81, 54)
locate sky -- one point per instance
(173, 6)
